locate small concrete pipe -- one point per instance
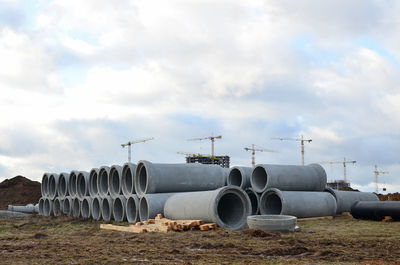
(102, 181)
(57, 206)
(53, 186)
(93, 188)
(41, 206)
(228, 207)
(128, 179)
(82, 185)
(114, 181)
(288, 177)
(63, 185)
(132, 209)
(240, 176)
(96, 208)
(44, 187)
(73, 176)
(67, 206)
(86, 208)
(152, 204)
(48, 207)
(29, 208)
(254, 200)
(119, 208)
(107, 208)
(345, 199)
(301, 204)
(76, 207)
(167, 178)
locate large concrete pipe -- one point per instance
(254, 200)
(288, 177)
(67, 206)
(63, 185)
(96, 208)
(86, 208)
(29, 208)
(107, 208)
(128, 179)
(376, 210)
(114, 181)
(152, 204)
(102, 181)
(345, 199)
(167, 178)
(82, 185)
(41, 206)
(228, 207)
(76, 207)
(44, 187)
(297, 203)
(132, 209)
(57, 206)
(53, 186)
(72, 183)
(48, 207)
(119, 208)
(240, 176)
(93, 188)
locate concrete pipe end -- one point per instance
(76, 207)
(119, 209)
(114, 181)
(48, 207)
(57, 206)
(67, 206)
(93, 188)
(142, 177)
(52, 187)
(41, 206)
(282, 223)
(271, 202)
(102, 181)
(72, 183)
(86, 207)
(63, 185)
(143, 209)
(44, 187)
(254, 200)
(96, 208)
(131, 209)
(107, 208)
(128, 179)
(82, 183)
(259, 179)
(235, 177)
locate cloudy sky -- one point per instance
(78, 78)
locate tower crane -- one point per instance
(344, 162)
(301, 140)
(212, 138)
(377, 173)
(134, 142)
(253, 153)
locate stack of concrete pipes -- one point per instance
(293, 190)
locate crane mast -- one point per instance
(212, 138)
(130, 143)
(344, 162)
(377, 173)
(253, 153)
(301, 140)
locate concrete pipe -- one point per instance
(67, 206)
(152, 204)
(102, 181)
(167, 178)
(96, 208)
(288, 177)
(41, 206)
(128, 179)
(228, 207)
(131, 209)
(107, 208)
(254, 200)
(93, 188)
(114, 181)
(44, 187)
(53, 186)
(240, 176)
(345, 199)
(63, 185)
(72, 183)
(10, 214)
(57, 206)
(48, 207)
(86, 208)
(119, 208)
(76, 207)
(297, 203)
(29, 208)
(82, 185)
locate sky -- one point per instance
(79, 78)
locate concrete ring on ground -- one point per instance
(282, 223)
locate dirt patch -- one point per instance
(39, 235)
(261, 233)
(389, 197)
(19, 191)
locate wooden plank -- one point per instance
(204, 227)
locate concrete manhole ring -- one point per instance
(284, 223)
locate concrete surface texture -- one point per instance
(45, 185)
(48, 207)
(102, 181)
(67, 206)
(283, 223)
(82, 185)
(128, 179)
(72, 183)
(345, 199)
(114, 181)
(29, 208)
(132, 209)
(152, 204)
(240, 176)
(107, 208)
(93, 188)
(119, 205)
(53, 185)
(86, 207)
(96, 208)
(254, 200)
(76, 207)
(57, 206)
(63, 185)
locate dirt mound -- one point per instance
(19, 191)
(389, 197)
(261, 233)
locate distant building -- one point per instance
(338, 184)
(223, 161)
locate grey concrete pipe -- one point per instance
(41, 206)
(107, 208)
(44, 187)
(228, 207)
(240, 176)
(288, 177)
(345, 199)
(96, 208)
(254, 200)
(119, 208)
(29, 208)
(48, 207)
(152, 204)
(114, 181)
(57, 206)
(93, 188)
(132, 209)
(73, 176)
(167, 178)
(86, 208)
(63, 185)
(128, 179)
(53, 186)
(76, 207)
(82, 185)
(301, 204)
(102, 181)
(67, 206)
(10, 214)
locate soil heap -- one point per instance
(19, 191)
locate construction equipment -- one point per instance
(377, 173)
(344, 162)
(134, 142)
(253, 153)
(212, 138)
(301, 140)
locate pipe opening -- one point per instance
(52, 186)
(143, 209)
(259, 179)
(67, 207)
(47, 207)
(103, 188)
(231, 209)
(45, 183)
(41, 205)
(253, 201)
(127, 179)
(142, 179)
(93, 183)
(118, 210)
(96, 209)
(81, 185)
(105, 210)
(235, 177)
(131, 211)
(115, 186)
(57, 207)
(72, 184)
(273, 204)
(76, 208)
(62, 185)
(85, 208)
